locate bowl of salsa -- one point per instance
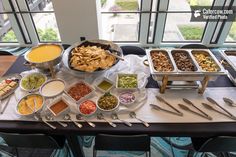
(105, 85)
(59, 106)
(79, 90)
(87, 107)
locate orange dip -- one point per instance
(58, 107)
(44, 53)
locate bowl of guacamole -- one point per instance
(32, 82)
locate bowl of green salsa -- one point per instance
(104, 85)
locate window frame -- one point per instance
(20, 10)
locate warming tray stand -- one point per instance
(198, 79)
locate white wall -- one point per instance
(75, 19)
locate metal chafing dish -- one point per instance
(198, 74)
(45, 67)
(229, 62)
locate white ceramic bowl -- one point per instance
(51, 88)
(127, 103)
(105, 79)
(32, 112)
(27, 75)
(64, 111)
(87, 115)
(122, 74)
(82, 98)
(111, 110)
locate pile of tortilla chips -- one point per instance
(90, 58)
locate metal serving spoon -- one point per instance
(49, 117)
(133, 115)
(41, 119)
(67, 117)
(229, 102)
(100, 116)
(114, 116)
(209, 107)
(186, 108)
(80, 117)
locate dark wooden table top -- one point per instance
(5, 63)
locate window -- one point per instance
(120, 20)
(44, 20)
(231, 37)
(6, 32)
(148, 23)
(178, 27)
(28, 22)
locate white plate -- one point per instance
(17, 76)
(56, 92)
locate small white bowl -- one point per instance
(82, 98)
(111, 110)
(122, 74)
(36, 89)
(65, 110)
(127, 103)
(56, 93)
(107, 80)
(32, 112)
(87, 115)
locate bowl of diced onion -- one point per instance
(127, 98)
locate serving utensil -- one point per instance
(6, 104)
(115, 55)
(190, 103)
(133, 115)
(214, 102)
(50, 117)
(186, 108)
(114, 116)
(100, 116)
(156, 107)
(32, 109)
(168, 104)
(67, 117)
(209, 107)
(39, 118)
(229, 102)
(15, 97)
(80, 117)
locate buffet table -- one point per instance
(161, 123)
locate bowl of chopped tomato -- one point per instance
(87, 107)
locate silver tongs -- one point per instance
(225, 112)
(202, 113)
(177, 112)
(156, 107)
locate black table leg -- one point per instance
(76, 145)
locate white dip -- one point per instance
(53, 88)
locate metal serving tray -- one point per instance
(178, 75)
(153, 70)
(228, 56)
(230, 66)
(196, 67)
(220, 69)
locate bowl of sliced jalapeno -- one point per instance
(108, 102)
